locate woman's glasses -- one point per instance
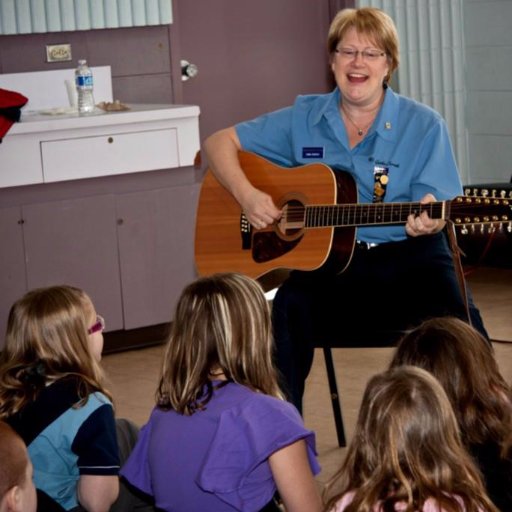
(369, 55)
(98, 326)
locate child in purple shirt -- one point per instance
(221, 436)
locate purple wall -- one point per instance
(140, 58)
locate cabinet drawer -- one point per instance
(88, 157)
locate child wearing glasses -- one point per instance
(463, 361)
(221, 436)
(406, 453)
(52, 393)
(17, 491)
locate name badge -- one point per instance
(312, 152)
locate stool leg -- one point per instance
(335, 400)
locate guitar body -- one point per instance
(225, 242)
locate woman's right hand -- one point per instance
(259, 208)
(222, 152)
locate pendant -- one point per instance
(360, 132)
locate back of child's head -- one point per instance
(463, 362)
(46, 339)
(15, 471)
(406, 449)
(222, 325)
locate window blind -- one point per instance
(432, 55)
(37, 16)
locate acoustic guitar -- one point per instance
(320, 215)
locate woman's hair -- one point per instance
(13, 459)
(221, 323)
(46, 340)
(406, 449)
(374, 24)
(463, 361)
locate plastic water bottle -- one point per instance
(84, 88)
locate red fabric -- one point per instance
(10, 105)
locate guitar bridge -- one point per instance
(245, 232)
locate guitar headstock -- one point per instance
(488, 191)
(470, 210)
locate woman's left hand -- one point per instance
(418, 225)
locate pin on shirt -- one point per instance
(380, 182)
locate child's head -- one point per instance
(51, 332)
(17, 491)
(462, 360)
(406, 445)
(221, 326)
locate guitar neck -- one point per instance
(370, 214)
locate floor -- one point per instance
(134, 374)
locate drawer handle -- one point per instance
(110, 140)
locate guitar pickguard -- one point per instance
(268, 246)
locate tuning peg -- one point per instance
(464, 230)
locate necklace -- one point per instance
(360, 131)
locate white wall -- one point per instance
(488, 38)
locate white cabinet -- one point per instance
(46, 149)
(111, 153)
(103, 202)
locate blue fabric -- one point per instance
(80, 435)
(407, 137)
(216, 459)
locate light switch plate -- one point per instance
(58, 52)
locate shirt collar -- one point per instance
(386, 123)
(330, 101)
(387, 119)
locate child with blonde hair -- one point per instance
(406, 454)
(221, 436)
(52, 393)
(463, 361)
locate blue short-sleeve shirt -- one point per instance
(409, 140)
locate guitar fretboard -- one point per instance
(365, 214)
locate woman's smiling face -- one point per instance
(359, 78)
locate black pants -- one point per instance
(385, 290)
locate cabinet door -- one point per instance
(74, 242)
(13, 282)
(156, 251)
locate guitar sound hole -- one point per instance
(293, 220)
